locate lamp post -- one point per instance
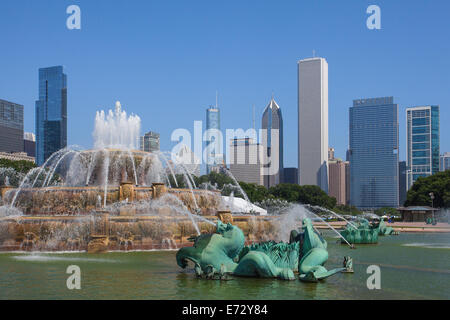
(432, 204)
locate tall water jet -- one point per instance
(116, 129)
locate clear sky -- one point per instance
(164, 60)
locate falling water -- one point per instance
(51, 172)
(331, 227)
(169, 165)
(134, 167)
(22, 183)
(332, 212)
(238, 186)
(105, 176)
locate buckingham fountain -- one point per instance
(115, 197)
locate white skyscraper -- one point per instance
(313, 122)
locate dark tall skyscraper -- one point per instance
(51, 113)
(11, 127)
(402, 171)
(374, 153)
(272, 125)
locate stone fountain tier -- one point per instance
(83, 200)
(102, 232)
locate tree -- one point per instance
(255, 193)
(386, 211)
(312, 195)
(21, 166)
(439, 184)
(215, 178)
(346, 209)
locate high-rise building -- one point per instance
(214, 157)
(272, 142)
(245, 160)
(337, 186)
(347, 182)
(422, 142)
(444, 163)
(374, 153)
(290, 175)
(313, 122)
(29, 144)
(330, 153)
(149, 142)
(51, 113)
(11, 126)
(402, 170)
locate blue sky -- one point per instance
(164, 60)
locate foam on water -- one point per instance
(428, 245)
(47, 258)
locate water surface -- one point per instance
(413, 266)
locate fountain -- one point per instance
(85, 198)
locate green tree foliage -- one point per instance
(21, 166)
(439, 184)
(219, 179)
(255, 192)
(346, 209)
(386, 211)
(304, 194)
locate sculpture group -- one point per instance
(364, 232)
(223, 253)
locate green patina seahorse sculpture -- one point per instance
(383, 230)
(215, 253)
(224, 253)
(360, 232)
(363, 232)
(313, 255)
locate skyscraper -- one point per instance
(313, 122)
(213, 157)
(402, 169)
(374, 153)
(51, 113)
(245, 160)
(337, 178)
(29, 144)
(422, 142)
(272, 141)
(444, 163)
(11, 127)
(149, 142)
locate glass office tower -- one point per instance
(214, 157)
(51, 113)
(422, 142)
(11, 126)
(374, 153)
(149, 142)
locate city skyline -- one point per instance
(149, 77)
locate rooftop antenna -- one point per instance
(314, 53)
